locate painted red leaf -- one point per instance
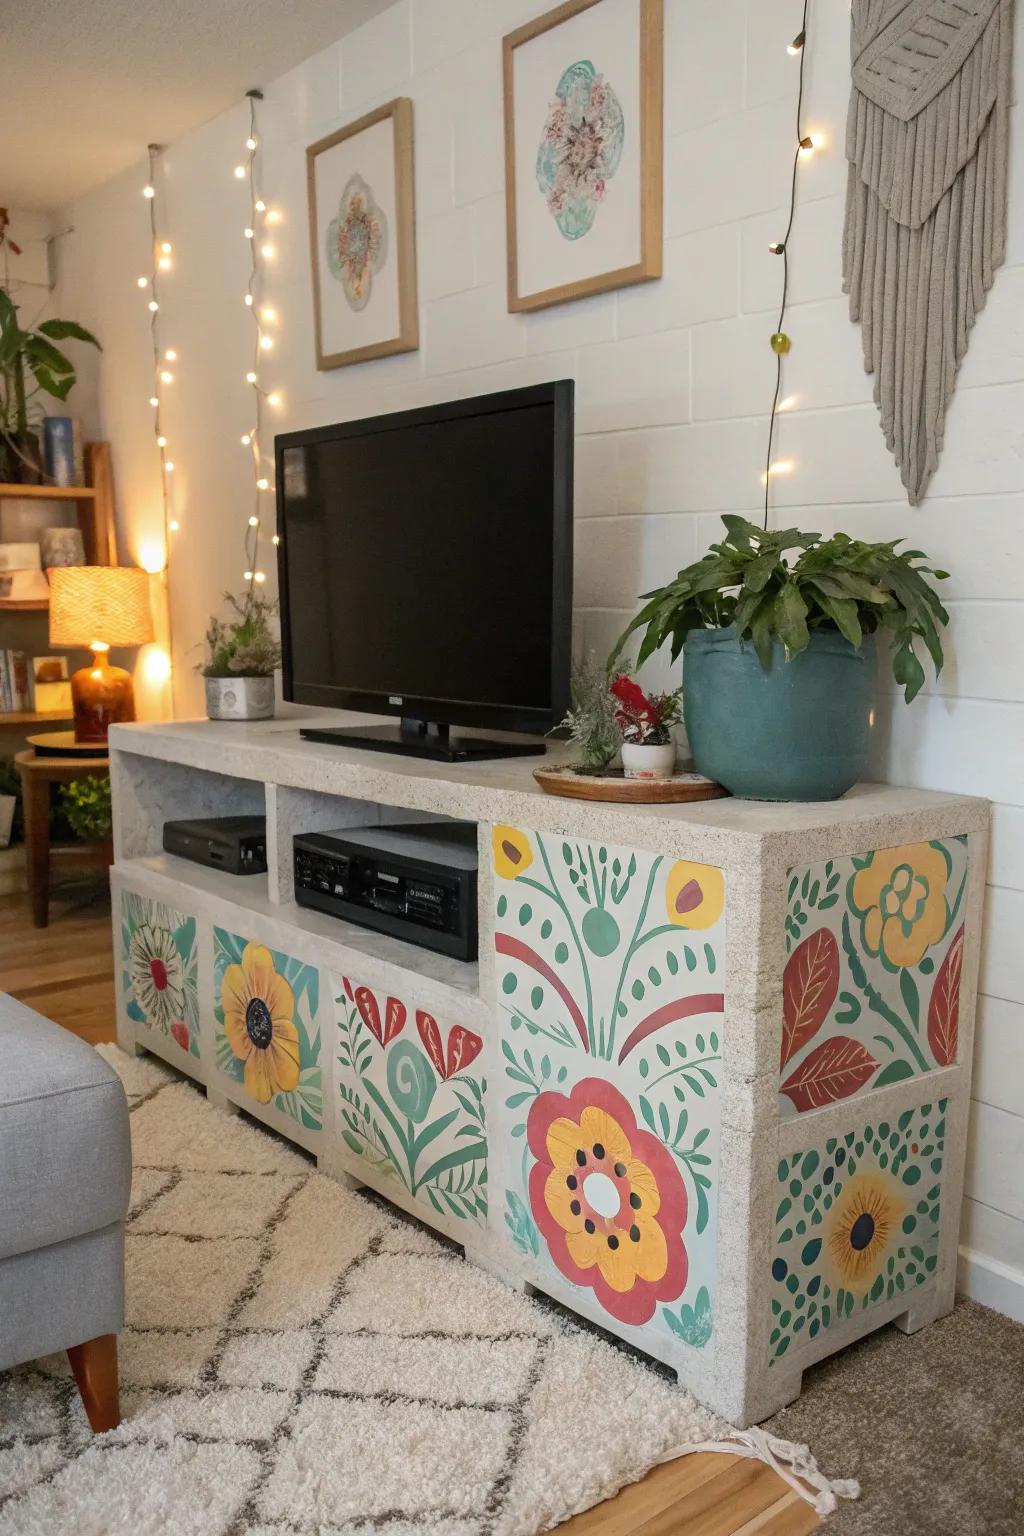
(944, 1006)
(431, 1037)
(463, 1047)
(369, 1012)
(809, 986)
(394, 1018)
(834, 1070)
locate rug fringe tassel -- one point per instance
(794, 1464)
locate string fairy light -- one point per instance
(260, 250)
(780, 342)
(160, 264)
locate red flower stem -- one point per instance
(517, 950)
(682, 1008)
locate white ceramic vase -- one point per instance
(239, 698)
(648, 762)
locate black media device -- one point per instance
(236, 844)
(425, 571)
(416, 881)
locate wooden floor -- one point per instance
(66, 971)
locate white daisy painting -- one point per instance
(160, 969)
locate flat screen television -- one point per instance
(425, 570)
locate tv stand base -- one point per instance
(418, 738)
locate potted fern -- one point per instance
(778, 629)
(243, 653)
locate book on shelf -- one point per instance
(63, 453)
(15, 691)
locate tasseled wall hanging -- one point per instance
(927, 142)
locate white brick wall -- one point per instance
(673, 378)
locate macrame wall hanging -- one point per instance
(927, 142)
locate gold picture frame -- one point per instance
(647, 171)
(364, 288)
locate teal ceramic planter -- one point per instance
(796, 732)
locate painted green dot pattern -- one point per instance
(807, 1293)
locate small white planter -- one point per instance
(646, 762)
(239, 698)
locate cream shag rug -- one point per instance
(299, 1360)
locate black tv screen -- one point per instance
(425, 561)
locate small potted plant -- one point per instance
(590, 719)
(645, 722)
(779, 633)
(243, 653)
(30, 365)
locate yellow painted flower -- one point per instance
(694, 894)
(900, 898)
(512, 852)
(865, 1218)
(258, 1006)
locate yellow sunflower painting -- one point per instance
(259, 1024)
(861, 1226)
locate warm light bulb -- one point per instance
(259, 576)
(157, 665)
(240, 172)
(268, 313)
(166, 376)
(266, 342)
(153, 400)
(153, 306)
(250, 378)
(246, 439)
(260, 205)
(148, 191)
(164, 263)
(169, 466)
(262, 485)
(807, 146)
(274, 398)
(166, 247)
(248, 300)
(254, 522)
(248, 232)
(143, 282)
(267, 251)
(161, 442)
(174, 525)
(247, 575)
(250, 142)
(152, 556)
(273, 215)
(777, 247)
(276, 539)
(788, 403)
(780, 467)
(171, 355)
(795, 46)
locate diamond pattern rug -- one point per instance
(299, 1359)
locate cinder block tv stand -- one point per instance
(708, 1085)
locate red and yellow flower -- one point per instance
(694, 894)
(900, 898)
(608, 1198)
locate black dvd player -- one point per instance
(236, 844)
(416, 881)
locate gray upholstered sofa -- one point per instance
(65, 1175)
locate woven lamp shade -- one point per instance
(109, 603)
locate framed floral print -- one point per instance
(362, 238)
(583, 150)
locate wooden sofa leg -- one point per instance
(94, 1364)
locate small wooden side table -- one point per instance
(37, 774)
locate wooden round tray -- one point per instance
(613, 785)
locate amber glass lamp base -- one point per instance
(101, 695)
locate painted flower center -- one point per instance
(689, 897)
(511, 852)
(862, 1231)
(601, 1195)
(258, 1023)
(158, 971)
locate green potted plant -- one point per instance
(30, 366)
(590, 718)
(645, 722)
(779, 634)
(243, 653)
(85, 806)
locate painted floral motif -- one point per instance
(608, 1199)
(600, 962)
(580, 148)
(410, 1109)
(857, 1223)
(257, 1005)
(267, 1038)
(871, 988)
(357, 241)
(160, 969)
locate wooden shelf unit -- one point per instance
(49, 492)
(95, 504)
(32, 716)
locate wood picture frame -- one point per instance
(382, 313)
(649, 195)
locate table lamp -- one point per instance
(100, 606)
